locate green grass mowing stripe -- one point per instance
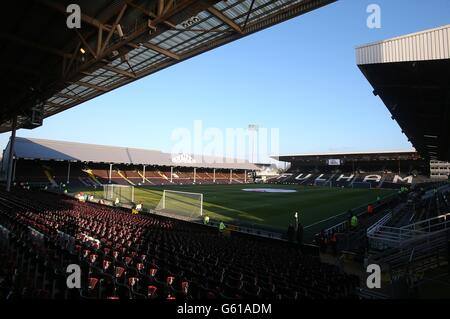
(228, 202)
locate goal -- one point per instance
(125, 193)
(181, 203)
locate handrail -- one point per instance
(411, 253)
(408, 233)
(379, 223)
(427, 221)
(361, 210)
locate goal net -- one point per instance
(183, 204)
(123, 193)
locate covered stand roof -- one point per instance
(356, 156)
(28, 148)
(45, 62)
(411, 76)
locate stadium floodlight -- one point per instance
(253, 131)
(181, 204)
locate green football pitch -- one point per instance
(231, 202)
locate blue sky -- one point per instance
(299, 76)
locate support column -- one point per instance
(14, 170)
(245, 176)
(12, 142)
(110, 172)
(214, 175)
(195, 173)
(143, 174)
(68, 173)
(231, 176)
(171, 174)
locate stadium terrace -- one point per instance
(39, 162)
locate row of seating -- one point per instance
(378, 179)
(150, 257)
(33, 172)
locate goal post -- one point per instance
(181, 203)
(125, 193)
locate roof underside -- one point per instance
(123, 40)
(410, 75)
(39, 149)
(357, 156)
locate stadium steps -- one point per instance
(353, 180)
(330, 180)
(82, 180)
(145, 178)
(416, 257)
(92, 176)
(125, 178)
(210, 177)
(49, 176)
(165, 177)
(383, 179)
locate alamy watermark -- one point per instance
(201, 144)
(374, 18)
(374, 279)
(73, 280)
(73, 20)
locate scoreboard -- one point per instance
(334, 162)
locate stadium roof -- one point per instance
(410, 75)
(361, 156)
(43, 62)
(28, 148)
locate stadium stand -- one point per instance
(55, 163)
(148, 257)
(358, 170)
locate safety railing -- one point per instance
(386, 236)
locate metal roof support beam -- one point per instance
(99, 40)
(67, 96)
(137, 33)
(181, 5)
(119, 71)
(168, 6)
(66, 68)
(91, 86)
(225, 19)
(248, 14)
(160, 7)
(12, 142)
(116, 22)
(151, 14)
(162, 51)
(51, 104)
(86, 44)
